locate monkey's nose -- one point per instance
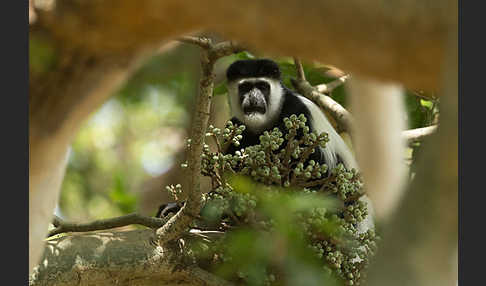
(254, 100)
(254, 105)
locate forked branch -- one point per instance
(181, 221)
(343, 118)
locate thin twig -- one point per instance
(205, 233)
(204, 43)
(414, 135)
(62, 226)
(315, 182)
(300, 69)
(329, 87)
(216, 141)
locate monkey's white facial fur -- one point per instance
(256, 101)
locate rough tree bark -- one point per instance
(116, 258)
(97, 44)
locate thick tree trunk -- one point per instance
(396, 40)
(420, 243)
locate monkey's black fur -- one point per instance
(253, 68)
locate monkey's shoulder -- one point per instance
(293, 104)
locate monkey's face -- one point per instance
(255, 101)
(253, 97)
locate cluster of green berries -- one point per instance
(271, 140)
(231, 133)
(273, 163)
(347, 183)
(313, 170)
(294, 123)
(174, 191)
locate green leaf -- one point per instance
(244, 56)
(426, 103)
(288, 71)
(220, 89)
(416, 114)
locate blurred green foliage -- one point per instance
(131, 138)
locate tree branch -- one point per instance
(343, 118)
(192, 207)
(202, 42)
(102, 224)
(300, 69)
(414, 135)
(329, 87)
(224, 49)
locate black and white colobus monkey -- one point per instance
(259, 100)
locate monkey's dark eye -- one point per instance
(245, 87)
(263, 86)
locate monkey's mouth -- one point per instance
(252, 109)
